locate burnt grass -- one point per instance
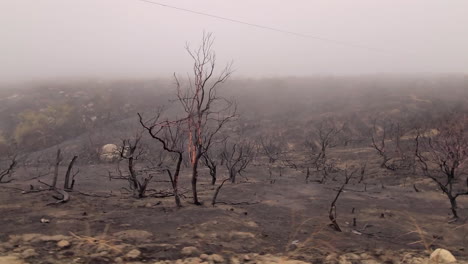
(285, 216)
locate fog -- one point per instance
(51, 39)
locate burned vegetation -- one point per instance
(205, 168)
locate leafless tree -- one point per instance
(171, 136)
(5, 174)
(443, 157)
(205, 111)
(387, 141)
(237, 156)
(328, 134)
(272, 147)
(132, 151)
(332, 211)
(211, 160)
(69, 180)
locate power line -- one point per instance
(337, 42)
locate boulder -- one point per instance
(441, 256)
(109, 153)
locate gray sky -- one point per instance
(43, 39)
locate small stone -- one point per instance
(29, 253)
(134, 234)
(199, 235)
(148, 205)
(241, 235)
(189, 251)
(63, 244)
(29, 237)
(192, 261)
(234, 260)
(133, 254)
(441, 256)
(55, 238)
(204, 256)
(216, 258)
(247, 257)
(10, 260)
(118, 260)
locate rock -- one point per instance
(247, 258)
(148, 205)
(370, 261)
(133, 234)
(63, 244)
(192, 261)
(29, 253)
(11, 260)
(216, 258)
(55, 238)
(343, 260)
(331, 259)
(133, 254)
(234, 260)
(118, 260)
(29, 237)
(251, 224)
(441, 256)
(109, 153)
(204, 256)
(189, 251)
(199, 235)
(241, 235)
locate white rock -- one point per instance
(133, 254)
(441, 256)
(63, 244)
(10, 260)
(189, 251)
(29, 253)
(109, 153)
(241, 235)
(216, 258)
(133, 234)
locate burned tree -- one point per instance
(5, 174)
(237, 156)
(272, 147)
(332, 211)
(443, 158)
(132, 151)
(69, 181)
(211, 160)
(171, 136)
(387, 141)
(205, 111)
(327, 136)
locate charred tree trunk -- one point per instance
(215, 195)
(67, 186)
(213, 175)
(58, 160)
(195, 179)
(453, 205)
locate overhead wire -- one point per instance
(297, 34)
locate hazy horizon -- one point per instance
(120, 39)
